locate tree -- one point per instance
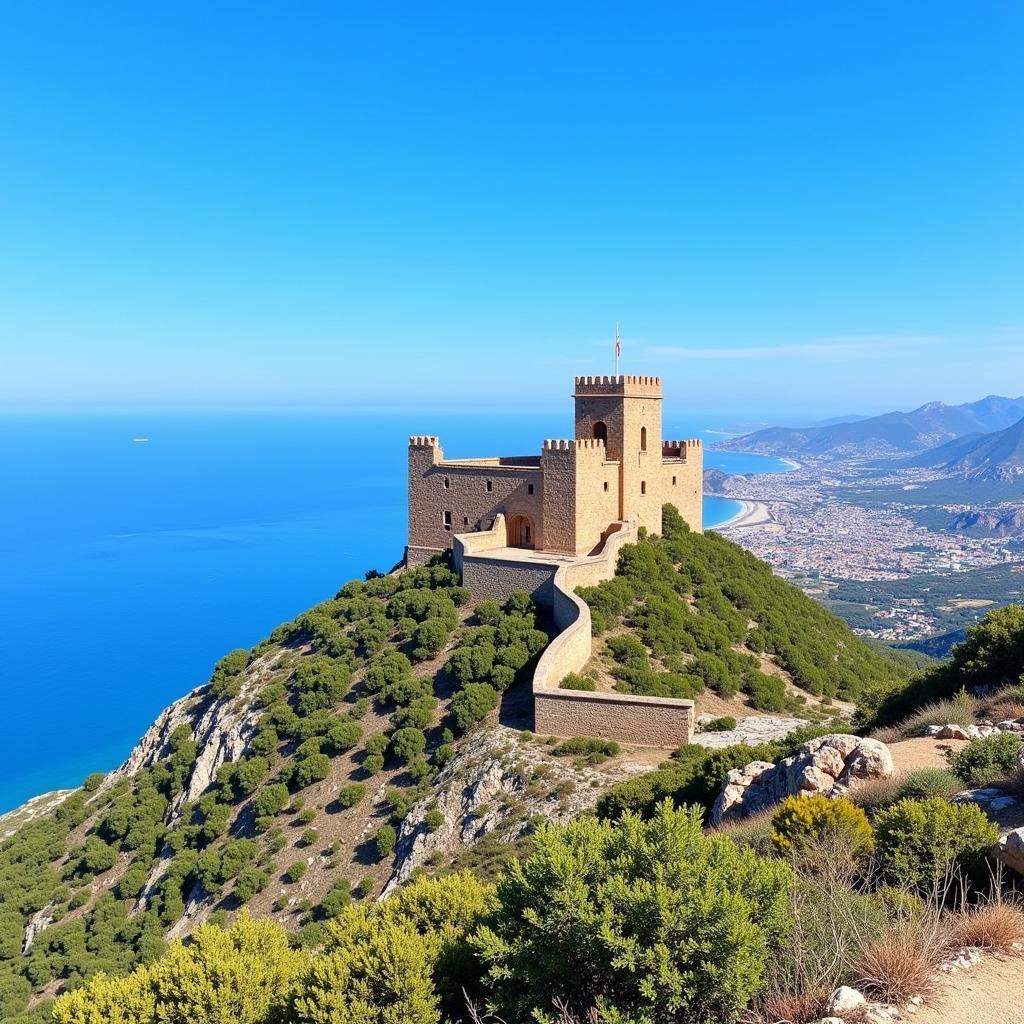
(637, 920)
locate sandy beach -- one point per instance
(751, 513)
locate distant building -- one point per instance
(572, 496)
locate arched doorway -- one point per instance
(520, 532)
(600, 431)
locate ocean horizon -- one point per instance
(139, 547)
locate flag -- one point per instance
(618, 342)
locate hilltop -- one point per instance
(384, 734)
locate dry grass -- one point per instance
(780, 1006)
(901, 964)
(996, 926)
(874, 795)
(960, 710)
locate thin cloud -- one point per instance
(833, 348)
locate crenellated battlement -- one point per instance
(573, 444)
(680, 449)
(423, 441)
(628, 385)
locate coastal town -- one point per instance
(810, 526)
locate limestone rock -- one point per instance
(828, 765)
(846, 1000)
(952, 731)
(490, 785)
(1010, 850)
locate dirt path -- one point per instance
(990, 993)
(922, 752)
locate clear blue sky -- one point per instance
(788, 206)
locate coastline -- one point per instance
(751, 513)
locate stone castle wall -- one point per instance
(682, 480)
(653, 721)
(472, 492)
(580, 494)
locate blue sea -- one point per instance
(129, 567)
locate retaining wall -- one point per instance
(654, 721)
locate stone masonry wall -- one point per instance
(496, 578)
(683, 480)
(656, 721)
(461, 489)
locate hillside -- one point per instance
(381, 736)
(997, 456)
(930, 425)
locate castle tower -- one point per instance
(625, 412)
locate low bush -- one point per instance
(296, 871)
(472, 704)
(803, 822)
(385, 840)
(874, 795)
(586, 745)
(986, 759)
(573, 681)
(351, 794)
(919, 841)
(724, 724)
(928, 782)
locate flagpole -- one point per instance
(618, 349)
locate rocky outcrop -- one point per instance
(1010, 850)
(827, 766)
(494, 783)
(753, 729)
(221, 729)
(955, 731)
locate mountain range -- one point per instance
(892, 433)
(997, 456)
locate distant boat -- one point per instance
(140, 440)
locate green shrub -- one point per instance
(986, 759)
(307, 770)
(585, 918)
(408, 743)
(573, 681)
(296, 871)
(928, 782)
(586, 745)
(429, 638)
(385, 840)
(249, 883)
(472, 704)
(433, 820)
(93, 782)
(489, 613)
(339, 897)
(309, 837)
(724, 724)
(271, 800)
(373, 763)
(351, 794)
(803, 822)
(917, 841)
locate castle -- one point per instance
(568, 499)
(553, 522)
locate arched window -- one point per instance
(600, 432)
(643, 439)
